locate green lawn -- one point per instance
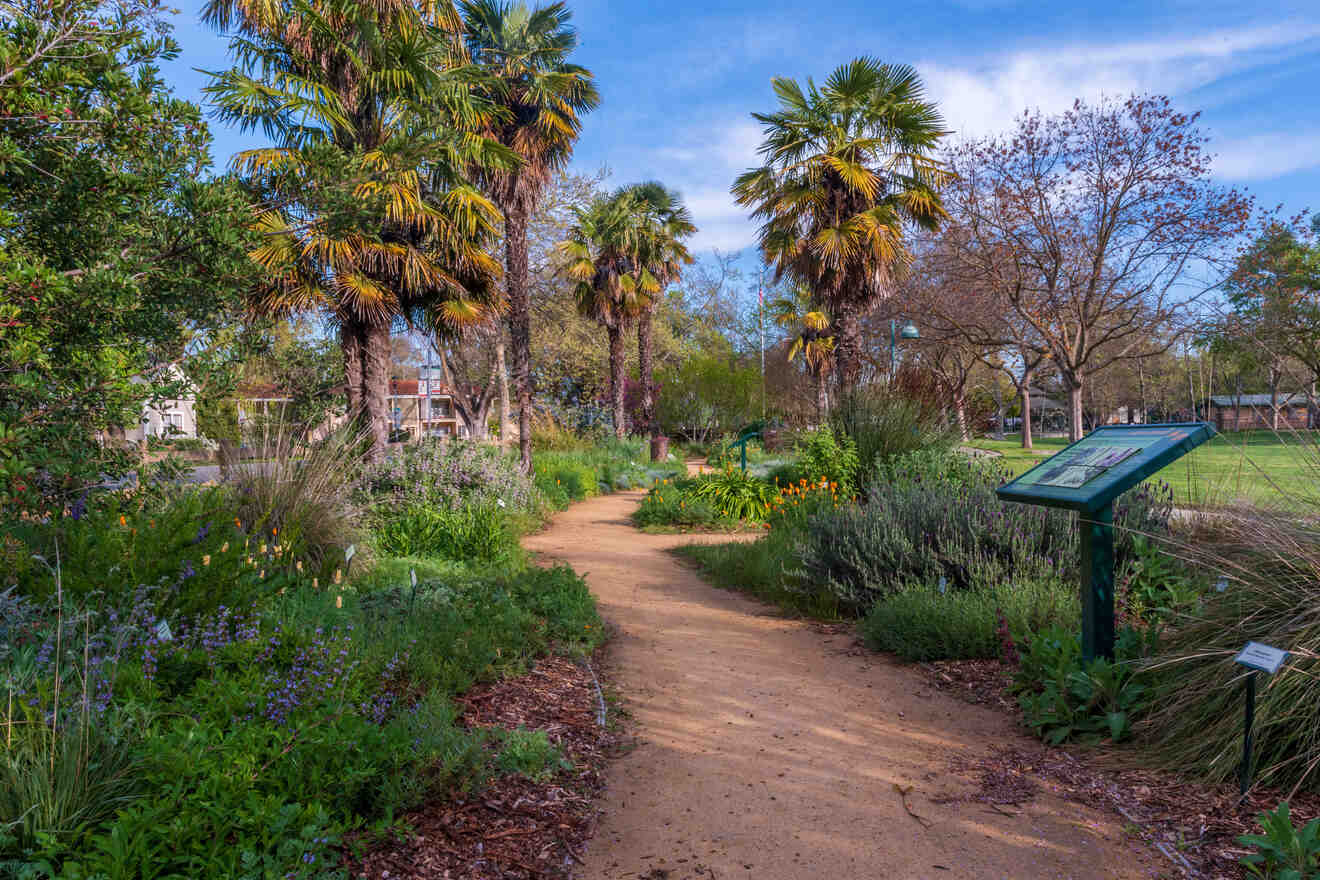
(1259, 467)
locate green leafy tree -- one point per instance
(847, 166)
(1274, 294)
(117, 249)
(367, 214)
(544, 98)
(705, 395)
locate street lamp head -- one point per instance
(910, 331)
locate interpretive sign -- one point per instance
(1262, 657)
(1258, 658)
(1087, 476)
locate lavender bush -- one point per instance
(448, 475)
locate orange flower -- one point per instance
(122, 520)
(274, 531)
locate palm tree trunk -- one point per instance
(350, 342)
(502, 376)
(375, 388)
(847, 352)
(520, 326)
(645, 372)
(822, 394)
(616, 380)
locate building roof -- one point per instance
(1284, 399)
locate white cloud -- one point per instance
(981, 96)
(1265, 156)
(985, 97)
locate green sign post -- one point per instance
(1086, 477)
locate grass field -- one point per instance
(1261, 468)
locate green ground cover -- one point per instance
(197, 681)
(1260, 468)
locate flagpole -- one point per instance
(760, 320)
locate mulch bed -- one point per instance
(1196, 826)
(514, 828)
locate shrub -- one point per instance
(925, 622)
(261, 735)
(884, 425)
(674, 504)
(1283, 851)
(447, 474)
(736, 495)
(925, 524)
(565, 477)
(1063, 698)
(187, 544)
(475, 531)
(822, 456)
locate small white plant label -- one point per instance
(412, 573)
(1262, 657)
(350, 552)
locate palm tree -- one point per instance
(666, 221)
(544, 98)
(364, 209)
(796, 314)
(845, 167)
(603, 251)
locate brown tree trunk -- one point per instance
(1075, 427)
(646, 375)
(847, 345)
(376, 388)
(960, 413)
(1275, 375)
(1237, 404)
(616, 381)
(502, 376)
(520, 327)
(1024, 391)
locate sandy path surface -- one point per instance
(768, 749)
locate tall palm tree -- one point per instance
(666, 222)
(526, 52)
(603, 251)
(846, 166)
(796, 313)
(364, 207)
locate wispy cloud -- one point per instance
(985, 96)
(982, 96)
(1266, 156)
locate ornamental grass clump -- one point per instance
(1267, 589)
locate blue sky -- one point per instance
(679, 79)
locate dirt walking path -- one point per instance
(769, 750)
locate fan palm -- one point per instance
(846, 166)
(526, 52)
(812, 341)
(603, 253)
(665, 221)
(365, 211)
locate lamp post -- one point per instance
(909, 331)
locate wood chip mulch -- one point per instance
(514, 828)
(1194, 825)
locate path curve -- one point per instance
(770, 750)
